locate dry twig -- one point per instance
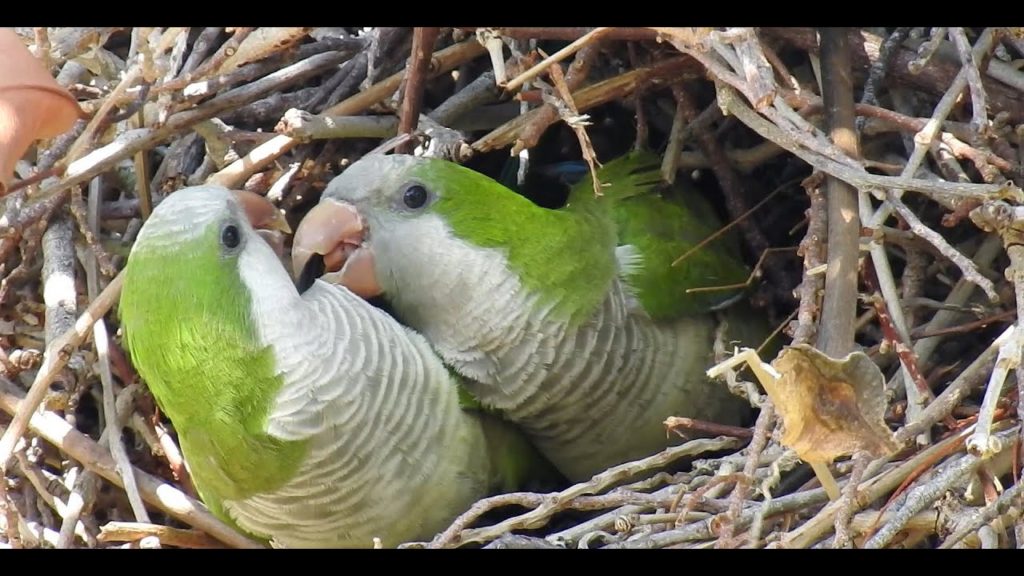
(156, 492)
(56, 356)
(458, 533)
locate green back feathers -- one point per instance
(568, 254)
(662, 223)
(564, 257)
(186, 318)
(624, 177)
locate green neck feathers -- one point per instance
(535, 240)
(186, 316)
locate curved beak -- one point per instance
(262, 214)
(335, 233)
(265, 218)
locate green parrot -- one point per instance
(307, 420)
(572, 321)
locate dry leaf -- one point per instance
(830, 407)
(32, 104)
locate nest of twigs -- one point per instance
(873, 175)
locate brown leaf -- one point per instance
(830, 407)
(32, 104)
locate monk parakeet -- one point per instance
(309, 420)
(572, 322)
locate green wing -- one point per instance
(662, 223)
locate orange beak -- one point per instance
(261, 213)
(265, 218)
(335, 231)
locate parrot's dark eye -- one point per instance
(415, 196)
(230, 237)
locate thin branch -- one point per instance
(82, 485)
(54, 359)
(892, 335)
(11, 515)
(762, 431)
(200, 49)
(856, 175)
(880, 68)
(588, 98)
(263, 155)
(922, 497)
(848, 501)
(839, 306)
(704, 530)
(1003, 81)
(682, 425)
(967, 267)
(562, 54)
(551, 111)
(158, 493)
(812, 250)
(475, 95)
(175, 460)
(670, 161)
(927, 50)
(304, 126)
(81, 212)
(457, 535)
(39, 482)
(970, 378)
(134, 531)
(412, 100)
(962, 292)
(1011, 497)
(101, 342)
(211, 65)
(567, 110)
(979, 116)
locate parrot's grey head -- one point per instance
(185, 282)
(386, 223)
(200, 229)
(190, 212)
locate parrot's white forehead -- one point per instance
(187, 212)
(370, 173)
